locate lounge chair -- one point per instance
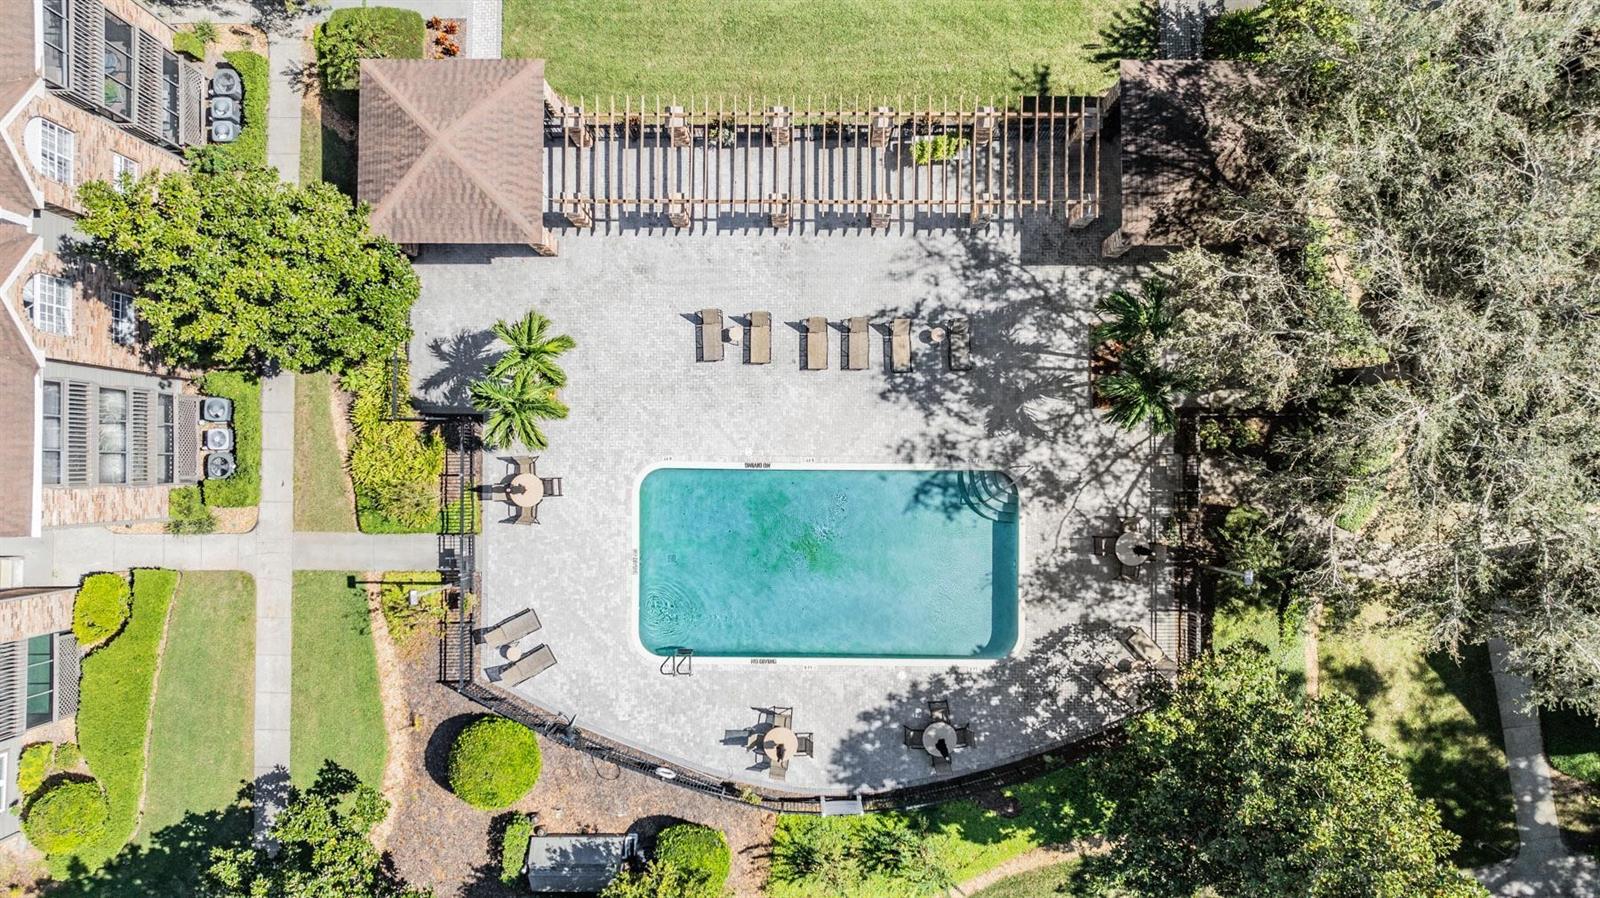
(745, 737)
(760, 342)
(1120, 681)
(959, 338)
(805, 747)
(527, 667)
(963, 737)
(900, 345)
(856, 343)
(913, 737)
(1145, 650)
(816, 343)
(509, 630)
(939, 709)
(710, 335)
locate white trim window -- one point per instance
(53, 149)
(48, 301)
(123, 167)
(54, 35)
(124, 322)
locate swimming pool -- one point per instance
(828, 563)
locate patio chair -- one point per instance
(760, 342)
(783, 717)
(940, 764)
(527, 667)
(856, 343)
(960, 341)
(509, 630)
(710, 335)
(816, 343)
(1104, 545)
(1129, 572)
(912, 736)
(963, 736)
(747, 737)
(522, 464)
(805, 747)
(939, 709)
(552, 486)
(529, 515)
(779, 770)
(900, 345)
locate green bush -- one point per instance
(243, 489)
(100, 608)
(938, 148)
(699, 851)
(514, 848)
(394, 598)
(493, 763)
(250, 147)
(187, 512)
(67, 817)
(34, 766)
(394, 465)
(68, 755)
(189, 44)
(369, 32)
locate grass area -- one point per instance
(403, 619)
(189, 44)
(114, 711)
(251, 145)
(322, 501)
(324, 155)
(1572, 740)
(1435, 713)
(336, 710)
(821, 48)
(243, 489)
(1059, 880)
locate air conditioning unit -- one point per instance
(224, 108)
(227, 83)
(220, 466)
(217, 439)
(216, 409)
(224, 131)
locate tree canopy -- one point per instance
(1230, 787)
(1412, 279)
(233, 268)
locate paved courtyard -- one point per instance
(639, 398)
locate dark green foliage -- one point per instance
(1135, 319)
(187, 512)
(404, 619)
(394, 465)
(658, 880)
(494, 762)
(243, 489)
(519, 390)
(368, 32)
(66, 816)
(1229, 785)
(514, 848)
(189, 44)
(236, 269)
(1134, 33)
(1236, 35)
(1142, 392)
(325, 850)
(250, 147)
(938, 148)
(701, 853)
(100, 608)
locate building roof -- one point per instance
(583, 863)
(452, 150)
(19, 369)
(16, 194)
(1178, 150)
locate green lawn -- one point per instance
(201, 739)
(816, 48)
(321, 490)
(336, 710)
(1057, 881)
(1572, 740)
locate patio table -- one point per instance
(780, 743)
(525, 490)
(1131, 549)
(936, 731)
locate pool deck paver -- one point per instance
(639, 399)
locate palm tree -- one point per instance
(532, 349)
(1141, 392)
(1132, 320)
(514, 407)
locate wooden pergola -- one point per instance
(717, 164)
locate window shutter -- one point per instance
(149, 88)
(76, 423)
(13, 688)
(66, 675)
(191, 98)
(139, 438)
(87, 80)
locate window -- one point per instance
(122, 167)
(113, 436)
(48, 300)
(53, 149)
(55, 42)
(169, 75)
(41, 681)
(119, 66)
(123, 323)
(50, 442)
(164, 443)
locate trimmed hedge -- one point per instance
(243, 489)
(33, 767)
(493, 763)
(701, 852)
(514, 848)
(250, 146)
(100, 608)
(68, 816)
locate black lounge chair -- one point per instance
(527, 667)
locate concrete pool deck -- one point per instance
(639, 398)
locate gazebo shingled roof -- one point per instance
(452, 151)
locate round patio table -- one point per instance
(1131, 549)
(936, 731)
(780, 743)
(525, 490)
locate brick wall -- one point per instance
(64, 506)
(91, 341)
(95, 141)
(28, 612)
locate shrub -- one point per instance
(189, 44)
(376, 32)
(250, 147)
(243, 489)
(938, 148)
(205, 31)
(68, 755)
(493, 763)
(394, 465)
(34, 766)
(514, 848)
(700, 851)
(395, 600)
(67, 817)
(100, 608)
(187, 512)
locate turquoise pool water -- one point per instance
(828, 563)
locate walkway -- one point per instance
(1543, 868)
